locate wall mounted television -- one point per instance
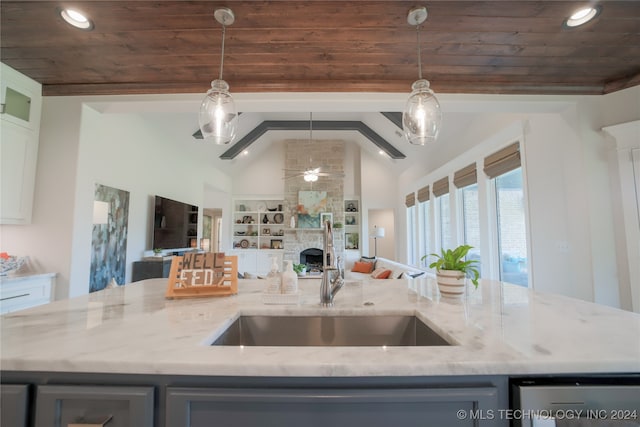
(175, 224)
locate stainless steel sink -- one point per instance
(329, 331)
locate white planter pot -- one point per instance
(451, 283)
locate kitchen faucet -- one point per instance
(332, 279)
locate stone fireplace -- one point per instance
(312, 258)
(329, 156)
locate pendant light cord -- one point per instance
(224, 28)
(310, 140)
(419, 59)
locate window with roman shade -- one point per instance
(502, 161)
(410, 200)
(423, 194)
(466, 176)
(441, 187)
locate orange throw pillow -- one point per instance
(381, 273)
(362, 267)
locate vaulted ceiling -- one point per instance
(136, 47)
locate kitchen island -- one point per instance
(133, 335)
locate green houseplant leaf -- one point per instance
(454, 260)
(299, 268)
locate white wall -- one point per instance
(379, 190)
(558, 199)
(260, 172)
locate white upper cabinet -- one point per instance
(21, 106)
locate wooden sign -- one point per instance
(202, 274)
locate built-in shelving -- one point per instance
(352, 224)
(259, 224)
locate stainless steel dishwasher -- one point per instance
(598, 401)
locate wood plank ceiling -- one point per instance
(318, 46)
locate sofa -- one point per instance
(380, 268)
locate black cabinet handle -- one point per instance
(15, 296)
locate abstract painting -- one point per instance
(109, 237)
(310, 205)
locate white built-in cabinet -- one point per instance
(258, 262)
(20, 292)
(20, 109)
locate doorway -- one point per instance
(212, 229)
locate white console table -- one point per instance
(24, 291)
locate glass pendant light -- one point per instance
(422, 116)
(218, 115)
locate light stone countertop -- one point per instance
(498, 328)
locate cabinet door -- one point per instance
(18, 156)
(150, 270)
(13, 405)
(246, 261)
(435, 407)
(59, 406)
(21, 98)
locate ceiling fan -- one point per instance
(311, 174)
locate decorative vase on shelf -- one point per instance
(265, 219)
(292, 222)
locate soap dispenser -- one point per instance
(289, 279)
(274, 279)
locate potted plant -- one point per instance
(337, 225)
(300, 269)
(452, 270)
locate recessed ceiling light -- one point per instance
(245, 152)
(582, 16)
(77, 19)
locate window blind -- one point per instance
(423, 194)
(410, 200)
(441, 187)
(465, 176)
(502, 161)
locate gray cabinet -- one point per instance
(407, 407)
(150, 269)
(62, 405)
(14, 405)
